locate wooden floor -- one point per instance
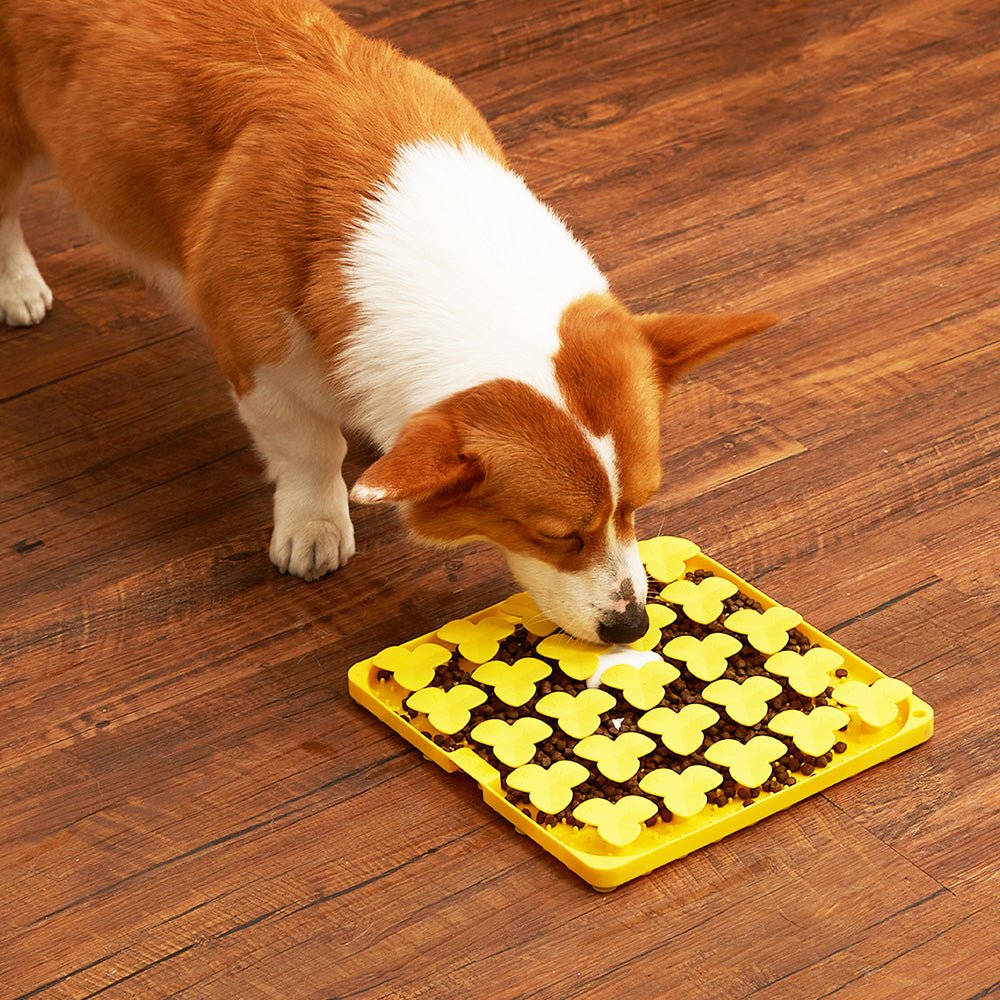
(190, 804)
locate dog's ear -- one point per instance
(684, 340)
(426, 460)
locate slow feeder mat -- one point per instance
(618, 760)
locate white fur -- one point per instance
(296, 428)
(461, 276)
(24, 296)
(604, 448)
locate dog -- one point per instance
(346, 228)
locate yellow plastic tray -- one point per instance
(615, 846)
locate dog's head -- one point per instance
(555, 479)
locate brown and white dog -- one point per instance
(345, 226)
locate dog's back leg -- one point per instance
(24, 296)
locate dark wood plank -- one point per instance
(192, 806)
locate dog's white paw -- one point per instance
(311, 547)
(24, 296)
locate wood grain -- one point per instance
(191, 804)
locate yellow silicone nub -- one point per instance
(666, 557)
(618, 823)
(513, 743)
(878, 705)
(522, 610)
(702, 601)
(577, 715)
(477, 641)
(808, 673)
(749, 763)
(642, 687)
(412, 669)
(681, 732)
(745, 702)
(549, 789)
(618, 758)
(814, 733)
(683, 792)
(706, 658)
(513, 683)
(767, 632)
(447, 711)
(576, 658)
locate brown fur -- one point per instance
(208, 107)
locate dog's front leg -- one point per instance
(304, 452)
(24, 296)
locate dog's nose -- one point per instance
(624, 626)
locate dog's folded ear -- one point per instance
(684, 340)
(427, 460)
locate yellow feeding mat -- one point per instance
(618, 759)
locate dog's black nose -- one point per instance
(624, 626)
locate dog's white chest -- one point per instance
(460, 275)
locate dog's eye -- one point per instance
(573, 538)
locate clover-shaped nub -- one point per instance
(878, 705)
(767, 632)
(576, 658)
(748, 763)
(412, 669)
(681, 732)
(618, 823)
(746, 702)
(683, 793)
(513, 743)
(808, 673)
(665, 556)
(447, 711)
(702, 601)
(643, 686)
(477, 641)
(522, 609)
(814, 734)
(550, 789)
(617, 759)
(706, 658)
(513, 683)
(578, 715)
(660, 616)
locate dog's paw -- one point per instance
(310, 548)
(24, 296)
